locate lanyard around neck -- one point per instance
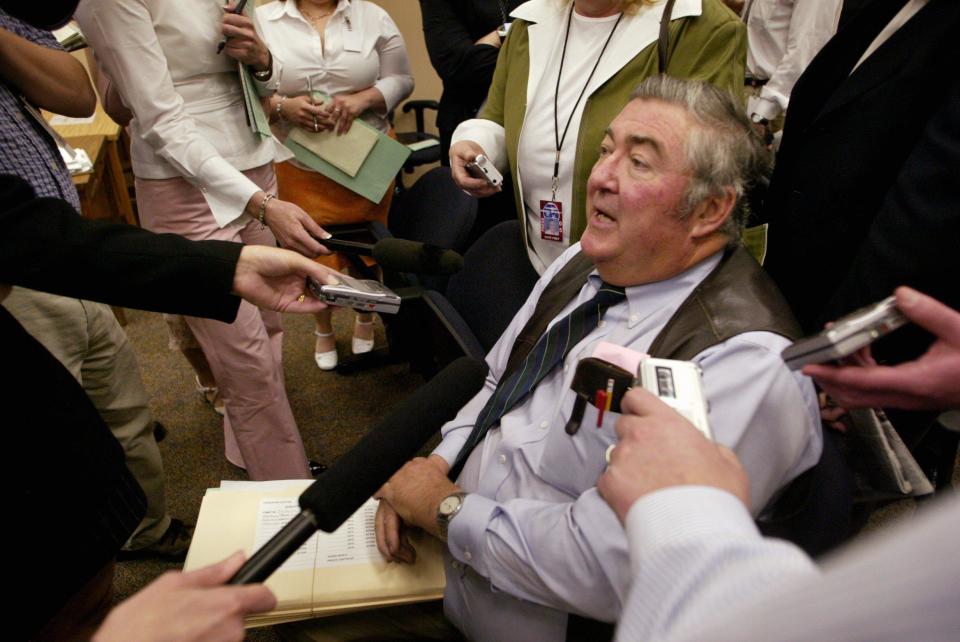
(558, 137)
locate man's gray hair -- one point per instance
(722, 151)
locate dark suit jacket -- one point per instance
(73, 502)
(865, 194)
(450, 28)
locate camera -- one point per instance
(846, 335)
(481, 167)
(360, 294)
(678, 384)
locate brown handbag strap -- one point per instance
(663, 44)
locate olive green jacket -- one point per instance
(707, 42)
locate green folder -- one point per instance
(258, 120)
(377, 171)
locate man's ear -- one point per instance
(711, 213)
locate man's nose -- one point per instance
(603, 175)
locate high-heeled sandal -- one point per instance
(358, 345)
(325, 360)
(211, 395)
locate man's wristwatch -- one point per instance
(757, 119)
(447, 510)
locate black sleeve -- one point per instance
(45, 245)
(458, 61)
(915, 237)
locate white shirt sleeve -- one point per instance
(695, 550)
(123, 37)
(396, 79)
(812, 24)
(707, 575)
(489, 135)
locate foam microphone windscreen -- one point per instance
(402, 255)
(356, 476)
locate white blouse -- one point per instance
(188, 109)
(361, 48)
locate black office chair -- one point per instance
(425, 155)
(433, 211)
(482, 299)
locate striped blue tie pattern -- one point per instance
(549, 351)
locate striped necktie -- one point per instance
(550, 350)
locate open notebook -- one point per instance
(331, 574)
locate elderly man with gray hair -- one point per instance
(532, 548)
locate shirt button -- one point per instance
(633, 318)
(203, 189)
(467, 556)
(544, 425)
(502, 459)
(601, 323)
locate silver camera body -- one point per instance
(846, 335)
(360, 294)
(481, 167)
(679, 384)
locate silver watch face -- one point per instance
(449, 505)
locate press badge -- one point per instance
(551, 220)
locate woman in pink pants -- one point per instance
(203, 174)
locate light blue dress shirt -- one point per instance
(534, 540)
(703, 572)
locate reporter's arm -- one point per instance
(187, 607)
(47, 76)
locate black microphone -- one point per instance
(350, 482)
(401, 255)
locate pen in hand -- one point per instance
(237, 9)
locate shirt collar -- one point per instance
(644, 300)
(536, 11)
(290, 9)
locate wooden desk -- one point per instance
(103, 193)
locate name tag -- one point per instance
(551, 220)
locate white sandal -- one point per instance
(358, 345)
(211, 395)
(325, 360)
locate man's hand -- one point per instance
(415, 492)
(243, 43)
(658, 449)
(276, 279)
(392, 542)
(183, 607)
(932, 382)
(462, 153)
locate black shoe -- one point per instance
(172, 545)
(316, 468)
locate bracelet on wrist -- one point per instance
(262, 210)
(280, 117)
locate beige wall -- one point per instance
(406, 13)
